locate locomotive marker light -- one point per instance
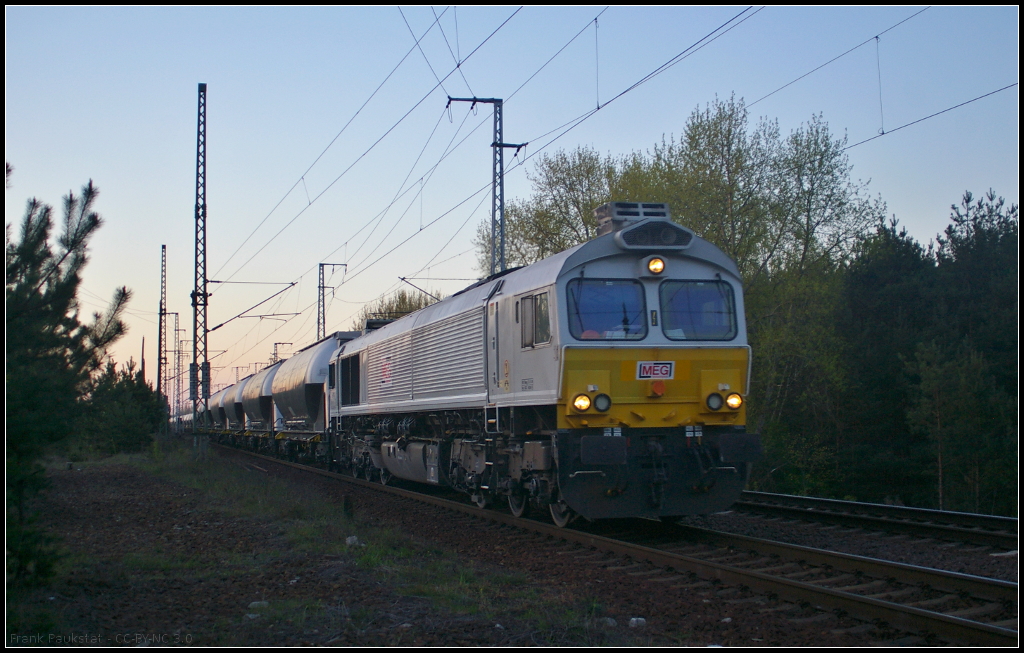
(581, 403)
(602, 402)
(734, 401)
(715, 401)
(657, 389)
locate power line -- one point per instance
(319, 156)
(368, 150)
(519, 163)
(938, 113)
(881, 110)
(572, 124)
(696, 46)
(458, 64)
(865, 42)
(425, 227)
(567, 44)
(420, 48)
(457, 231)
(252, 307)
(384, 211)
(399, 193)
(444, 278)
(449, 149)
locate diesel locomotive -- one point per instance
(609, 380)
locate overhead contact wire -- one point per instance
(838, 57)
(375, 143)
(420, 48)
(572, 124)
(937, 113)
(336, 136)
(451, 149)
(399, 192)
(706, 40)
(458, 64)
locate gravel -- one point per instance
(115, 519)
(950, 556)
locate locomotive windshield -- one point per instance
(606, 309)
(698, 310)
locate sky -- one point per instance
(329, 140)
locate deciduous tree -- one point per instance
(559, 214)
(391, 307)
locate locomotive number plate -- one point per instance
(646, 370)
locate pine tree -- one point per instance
(51, 354)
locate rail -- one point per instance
(993, 596)
(958, 526)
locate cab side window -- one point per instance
(542, 320)
(350, 380)
(535, 320)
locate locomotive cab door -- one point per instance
(497, 363)
(493, 351)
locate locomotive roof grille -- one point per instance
(615, 216)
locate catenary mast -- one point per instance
(199, 370)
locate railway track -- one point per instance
(986, 530)
(958, 608)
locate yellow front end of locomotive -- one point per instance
(654, 387)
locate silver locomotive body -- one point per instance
(608, 380)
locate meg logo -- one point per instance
(655, 370)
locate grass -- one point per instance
(413, 569)
(307, 524)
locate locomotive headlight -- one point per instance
(656, 265)
(715, 401)
(602, 402)
(581, 403)
(734, 401)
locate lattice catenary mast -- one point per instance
(199, 370)
(161, 340)
(497, 181)
(321, 311)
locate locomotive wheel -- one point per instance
(561, 514)
(480, 500)
(368, 472)
(385, 476)
(354, 470)
(517, 505)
